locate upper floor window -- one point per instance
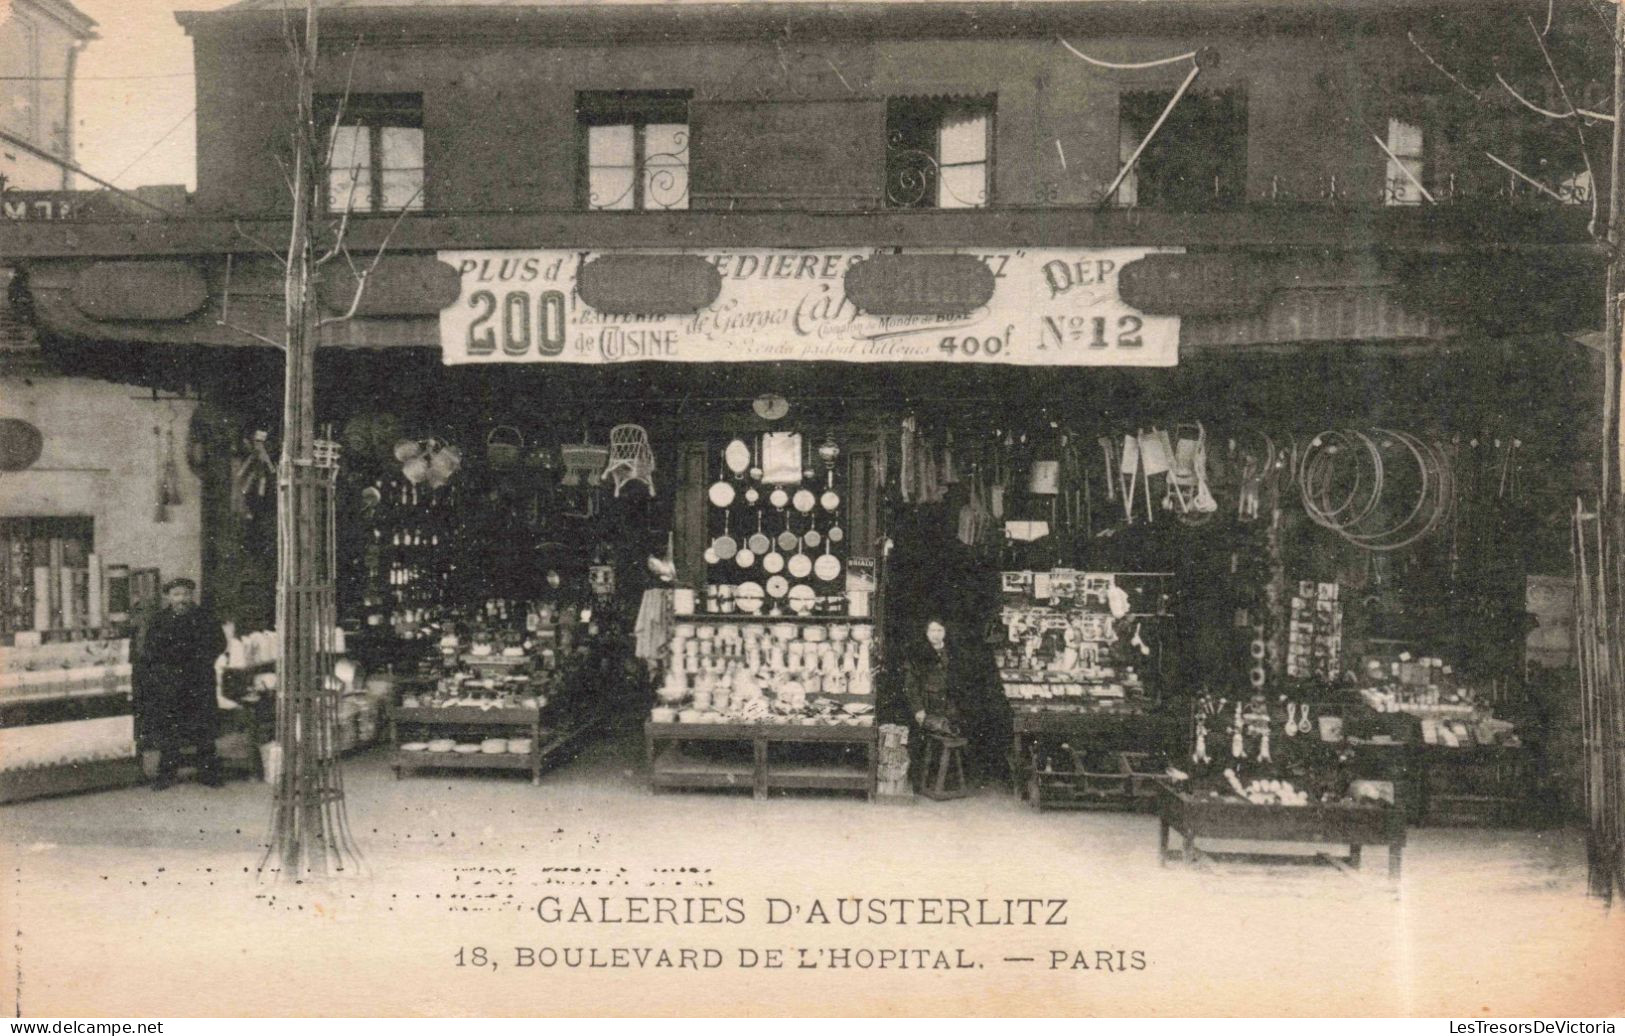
(1407, 164)
(1197, 158)
(939, 152)
(376, 162)
(636, 149)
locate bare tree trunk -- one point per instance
(310, 835)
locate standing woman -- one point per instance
(174, 684)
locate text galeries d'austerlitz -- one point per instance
(578, 914)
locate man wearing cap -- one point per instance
(174, 684)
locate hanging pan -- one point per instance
(749, 598)
(777, 586)
(813, 537)
(828, 566)
(800, 565)
(760, 543)
(745, 558)
(724, 545)
(773, 561)
(779, 498)
(836, 534)
(787, 539)
(805, 501)
(737, 457)
(721, 493)
(802, 599)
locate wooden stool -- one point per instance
(942, 767)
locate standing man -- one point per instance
(175, 684)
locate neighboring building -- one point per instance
(40, 42)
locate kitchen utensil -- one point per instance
(721, 493)
(788, 539)
(836, 534)
(725, 545)
(756, 461)
(804, 501)
(777, 587)
(807, 472)
(802, 598)
(779, 498)
(800, 566)
(828, 566)
(760, 543)
(752, 495)
(503, 446)
(813, 537)
(711, 556)
(745, 557)
(749, 596)
(737, 457)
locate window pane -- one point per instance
(609, 145)
(1128, 192)
(962, 187)
(1404, 139)
(402, 189)
(962, 138)
(1403, 189)
(665, 166)
(610, 187)
(402, 147)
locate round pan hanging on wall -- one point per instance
(20, 444)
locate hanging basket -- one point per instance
(503, 447)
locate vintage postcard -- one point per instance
(632, 508)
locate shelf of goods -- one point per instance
(1471, 767)
(748, 703)
(66, 718)
(1286, 771)
(1353, 825)
(492, 713)
(1086, 731)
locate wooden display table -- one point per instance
(428, 722)
(1196, 817)
(1129, 730)
(671, 767)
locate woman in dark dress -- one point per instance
(174, 684)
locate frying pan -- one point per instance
(788, 539)
(745, 557)
(711, 556)
(800, 565)
(836, 533)
(813, 537)
(749, 597)
(721, 493)
(779, 498)
(805, 501)
(778, 586)
(737, 457)
(773, 562)
(724, 545)
(830, 500)
(760, 543)
(828, 566)
(802, 598)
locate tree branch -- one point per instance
(251, 239)
(1469, 91)
(252, 334)
(1579, 125)
(361, 277)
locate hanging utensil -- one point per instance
(802, 599)
(779, 498)
(721, 493)
(737, 457)
(749, 597)
(800, 566)
(756, 462)
(760, 543)
(777, 587)
(745, 557)
(804, 501)
(836, 534)
(787, 538)
(828, 566)
(724, 545)
(813, 537)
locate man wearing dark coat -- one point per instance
(174, 684)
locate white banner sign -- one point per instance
(1053, 307)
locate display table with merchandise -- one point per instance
(1227, 817)
(675, 762)
(1130, 733)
